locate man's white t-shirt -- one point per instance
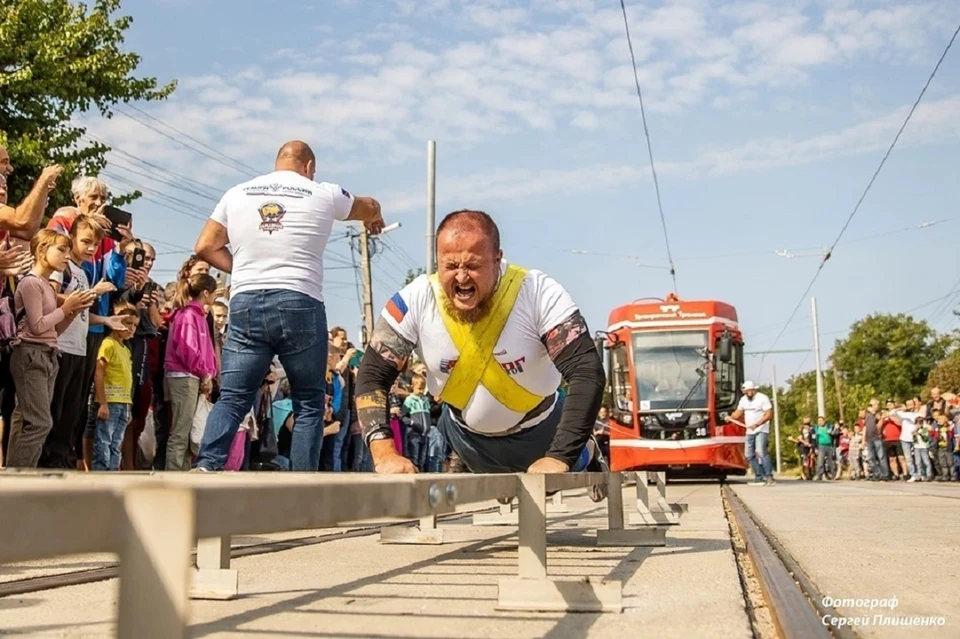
(908, 424)
(753, 410)
(278, 225)
(541, 305)
(73, 341)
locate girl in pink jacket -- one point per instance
(190, 364)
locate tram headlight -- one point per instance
(697, 419)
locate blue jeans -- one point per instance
(756, 446)
(908, 455)
(416, 449)
(878, 459)
(108, 436)
(264, 324)
(436, 450)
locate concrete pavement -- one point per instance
(358, 588)
(864, 541)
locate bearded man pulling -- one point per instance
(496, 340)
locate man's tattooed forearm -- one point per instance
(564, 334)
(390, 346)
(372, 411)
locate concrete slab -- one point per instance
(865, 541)
(355, 587)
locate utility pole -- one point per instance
(836, 383)
(366, 274)
(776, 417)
(821, 403)
(431, 204)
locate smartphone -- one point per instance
(355, 360)
(139, 257)
(117, 217)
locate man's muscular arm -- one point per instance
(379, 368)
(574, 354)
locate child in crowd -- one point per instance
(856, 452)
(415, 415)
(113, 387)
(70, 393)
(220, 315)
(190, 363)
(921, 451)
(34, 362)
(946, 444)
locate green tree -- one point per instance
(412, 275)
(59, 60)
(946, 376)
(894, 354)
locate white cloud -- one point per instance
(935, 122)
(565, 69)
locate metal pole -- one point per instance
(776, 417)
(367, 284)
(821, 404)
(836, 383)
(431, 203)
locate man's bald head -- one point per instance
(298, 157)
(471, 222)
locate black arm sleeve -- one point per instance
(581, 367)
(374, 380)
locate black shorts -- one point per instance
(892, 449)
(507, 454)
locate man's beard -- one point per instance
(471, 316)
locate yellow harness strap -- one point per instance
(476, 344)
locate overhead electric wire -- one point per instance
(646, 133)
(239, 165)
(182, 143)
(863, 195)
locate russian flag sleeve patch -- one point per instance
(397, 308)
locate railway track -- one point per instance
(794, 602)
(29, 585)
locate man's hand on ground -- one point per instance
(546, 465)
(386, 460)
(394, 464)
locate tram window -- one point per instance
(622, 389)
(727, 378)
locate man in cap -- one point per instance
(756, 411)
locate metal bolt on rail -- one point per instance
(451, 494)
(434, 495)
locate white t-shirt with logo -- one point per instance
(73, 341)
(278, 225)
(541, 305)
(753, 410)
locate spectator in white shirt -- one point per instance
(756, 411)
(277, 226)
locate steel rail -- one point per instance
(794, 601)
(111, 570)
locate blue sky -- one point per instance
(767, 120)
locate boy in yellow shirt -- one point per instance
(113, 388)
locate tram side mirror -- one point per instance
(598, 342)
(725, 346)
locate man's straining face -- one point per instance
(469, 270)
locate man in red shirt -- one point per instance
(891, 443)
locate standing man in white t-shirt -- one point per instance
(756, 411)
(497, 340)
(277, 226)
